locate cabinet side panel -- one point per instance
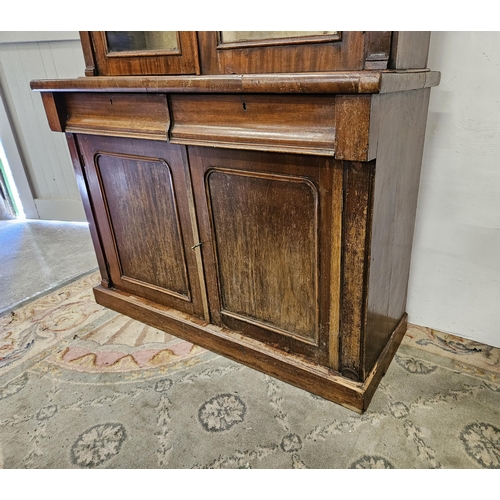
(397, 173)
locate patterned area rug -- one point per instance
(84, 387)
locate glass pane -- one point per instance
(121, 41)
(244, 36)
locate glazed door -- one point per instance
(243, 52)
(140, 202)
(270, 233)
(145, 52)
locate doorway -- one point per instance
(8, 206)
(11, 206)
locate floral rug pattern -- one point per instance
(85, 387)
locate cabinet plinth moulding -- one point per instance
(255, 192)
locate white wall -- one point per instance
(455, 272)
(26, 56)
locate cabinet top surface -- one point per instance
(348, 82)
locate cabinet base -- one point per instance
(290, 368)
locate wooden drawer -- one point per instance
(284, 123)
(340, 126)
(113, 114)
(324, 125)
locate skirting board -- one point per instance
(289, 368)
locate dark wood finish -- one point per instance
(352, 127)
(280, 262)
(183, 61)
(338, 55)
(123, 115)
(409, 50)
(352, 82)
(395, 190)
(55, 111)
(81, 180)
(298, 124)
(348, 50)
(266, 216)
(88, 53)
(295, 370)
(377, 49)
(374, 377)
(358, 182)
(116, 114)
(400, 82)
(266, 227)
(147, 255)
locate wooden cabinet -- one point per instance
(264, 206)
(110, 53)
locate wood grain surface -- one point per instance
(262, 206)
(267, 225)
(300, 124)
(142, 210)
(184, 61)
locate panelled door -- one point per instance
(145, 52)
(140, 200)
(271, 253)
(250, 52)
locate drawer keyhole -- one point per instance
(244, 106)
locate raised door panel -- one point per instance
(145, 219)
(145, 52)
(266, 228)
(271, 223)
(138, 191)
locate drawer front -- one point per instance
(126, 115)
(341, 126)
(142, 116)
(284, 123)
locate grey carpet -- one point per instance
(205, 411)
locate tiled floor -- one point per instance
(36, 256)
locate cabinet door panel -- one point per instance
(145, 52)
(267, 232)
(223, 53)
(145, 220)
(138, 191)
